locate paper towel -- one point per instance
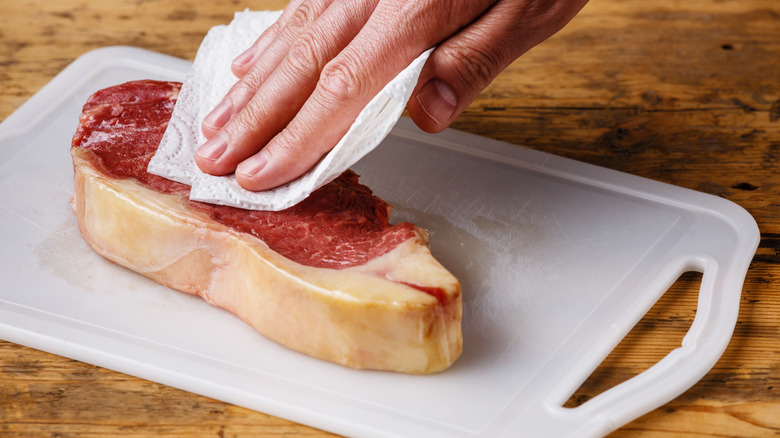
(207, 83)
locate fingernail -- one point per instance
(214, 147)
(438, 101)
(252, 165)
(220, 115)
(245, 57)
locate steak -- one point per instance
(329, 277)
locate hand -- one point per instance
(307, 77)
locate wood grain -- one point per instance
(682, 92)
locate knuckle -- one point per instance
(295, 137)
(273, 30)
(243, 91)
(340, 81)
(475, 66)
(285, 153)
(287, 148)
(304, 58)
(245, 123)
(249, 84)
(282, 149)
(302, 16)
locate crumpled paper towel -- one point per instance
(210, 79)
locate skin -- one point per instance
(306, 78)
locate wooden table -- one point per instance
(683, 92)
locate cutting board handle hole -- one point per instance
(659, 332)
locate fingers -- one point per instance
(467, 62)
(256, 64)
(264, 102)
(382, 48)
(326, 116)
(244, 62)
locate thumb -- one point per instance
(451, 79)
(468, 61)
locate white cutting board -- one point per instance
(558, 260)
